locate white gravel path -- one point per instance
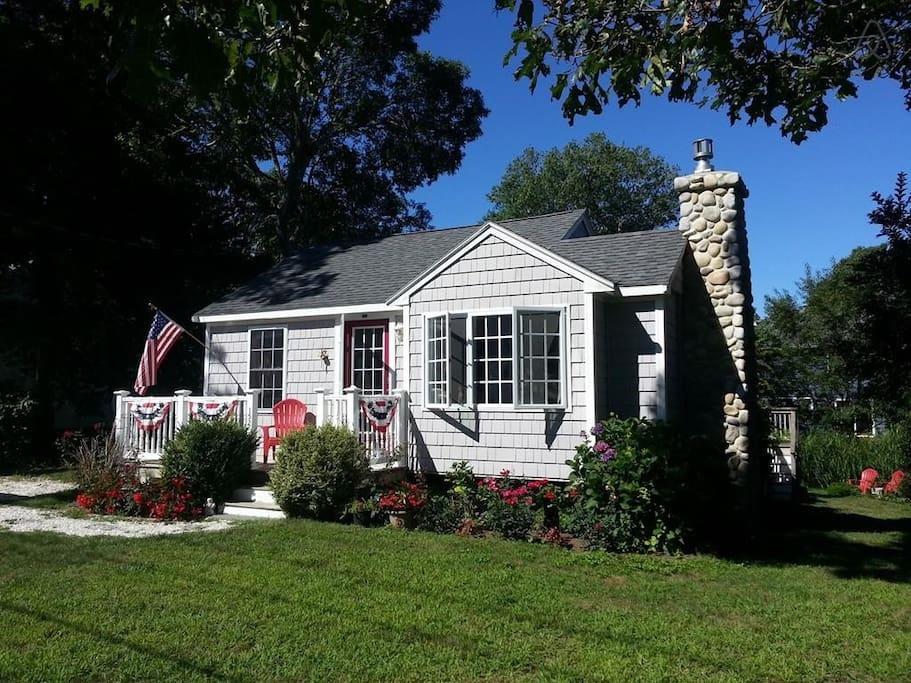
(24, 519)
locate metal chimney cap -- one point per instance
(703, 151)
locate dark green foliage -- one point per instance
(214, 457)
(17, 432)
(778, 63)
(441, 515)
(625, 189)
(512, 521)
(638, 486)
(828, 457)
(846, 333)
(318, 472)
(840, 489)
(97, 461)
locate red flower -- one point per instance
(138, 498)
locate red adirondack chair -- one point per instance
(897, 478)
(868, 479)
(289, 416)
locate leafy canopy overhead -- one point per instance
(625, 189)
(774, 62)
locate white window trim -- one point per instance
(250, 332)
(564, 366)
(516, 405)
(388, 353)
(444, 361)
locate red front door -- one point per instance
(367, 356)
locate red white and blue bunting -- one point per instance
(151, 415)
(379, 411)
(212, 410)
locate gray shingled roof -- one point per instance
(371, 272)
(628, 259)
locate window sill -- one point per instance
(495, 408)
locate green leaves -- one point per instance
(625, 189)
(774, 62)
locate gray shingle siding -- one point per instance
(371, 272)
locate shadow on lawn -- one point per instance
(850, 543)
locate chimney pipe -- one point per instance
(703, 151)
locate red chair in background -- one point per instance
(868, 479)
(289, 416)
(892, 486)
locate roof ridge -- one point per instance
(615, 235)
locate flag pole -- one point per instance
(202, 344)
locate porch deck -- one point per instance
(145, 424)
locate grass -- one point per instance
(829, 600)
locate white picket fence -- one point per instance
(385, 448)
(176, 411)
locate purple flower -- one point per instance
(608, 455)
(597, 429)
(605, 450)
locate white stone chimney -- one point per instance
(721, 316)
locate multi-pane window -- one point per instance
(539, 357)
(267, 361)
(368, 367)
(533, 338)
(492, 367)
(437, 360)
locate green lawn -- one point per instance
(303, 600)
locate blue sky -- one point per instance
(807, 204)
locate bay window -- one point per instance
(513, 359)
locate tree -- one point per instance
(103, 210)
(771, 62)
(625, 188)
(337, 161)
(847, 333)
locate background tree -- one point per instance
(117, 198)
(847, 332)
(772, 62)
(337, 161)
(625, 188)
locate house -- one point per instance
(499, 343)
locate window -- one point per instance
(447, 360)
(267, 361)
(368, 367)
(539, 353)
(492, 347)
(437, 360)
(515, 359)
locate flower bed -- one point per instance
(634, 486)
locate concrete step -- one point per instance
(253, 509)
(253, 494)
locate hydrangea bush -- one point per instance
(624, 484)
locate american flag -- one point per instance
(163, 334)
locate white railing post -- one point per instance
(319, 410)
(403, 418)
(121, 415)
(181, 408)
(251, 408)
(352, 406)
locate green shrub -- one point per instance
(97, 461)
(827, 456)
(840, 489)
(513, 521)
(213, 456)
(318, 472)
(18, 425)
(441, 514)
(637, 485)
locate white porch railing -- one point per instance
(144, 424)
(386, 447)
(783, 447)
